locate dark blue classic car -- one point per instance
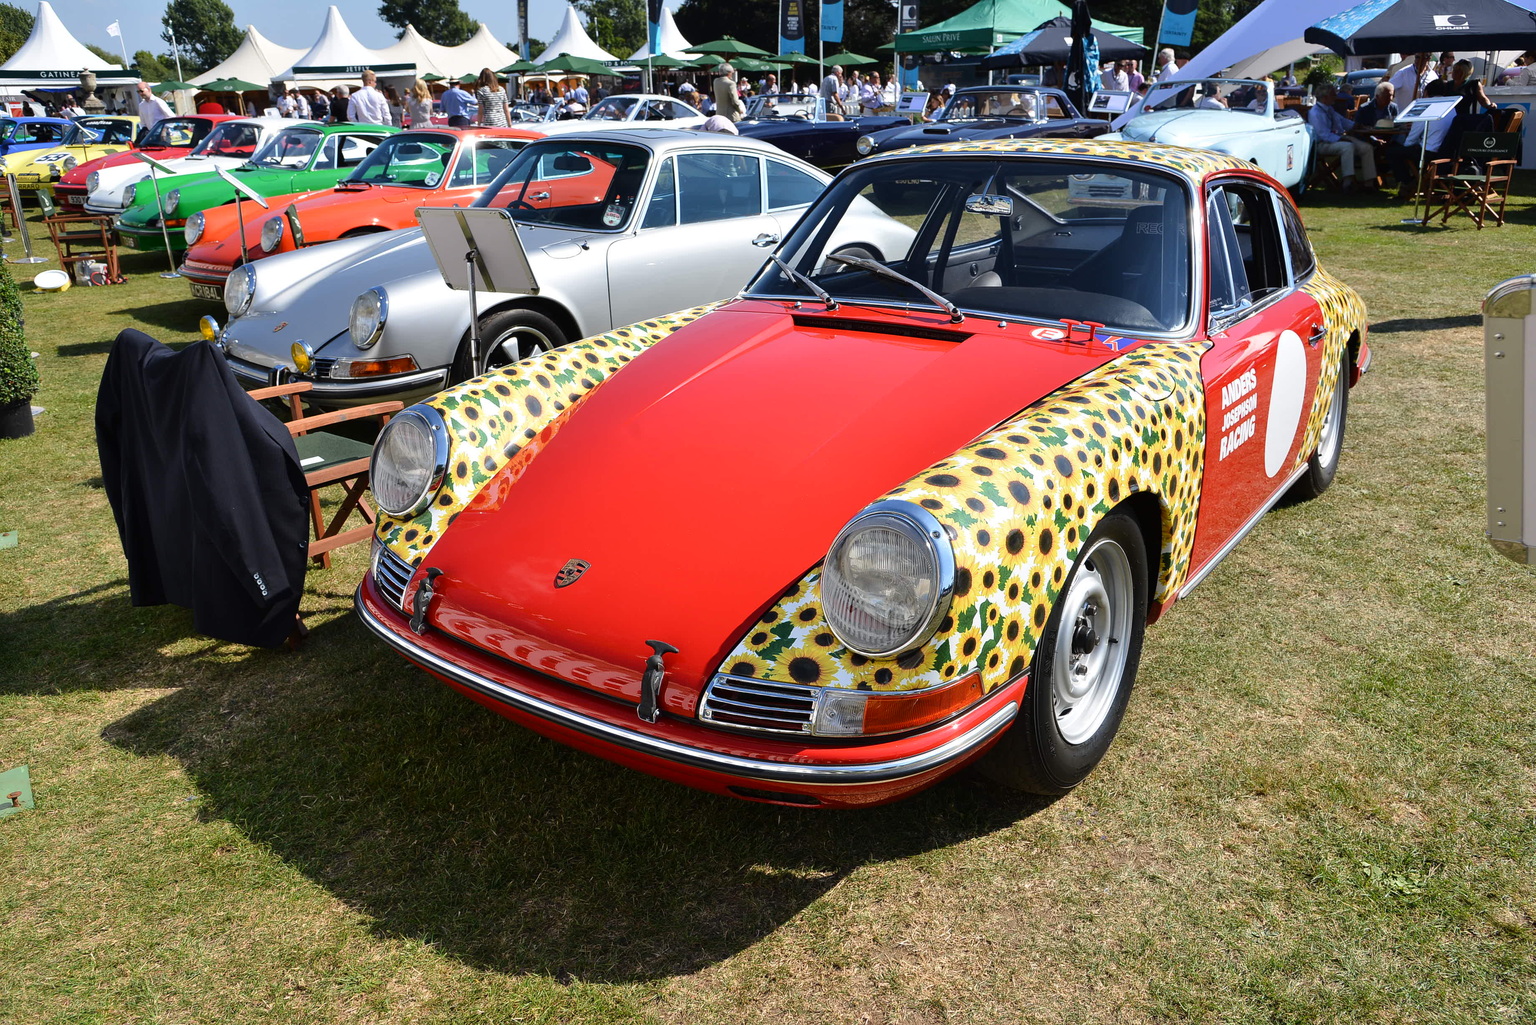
(990, 112)
(798, 125)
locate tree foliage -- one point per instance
(106, 55)
(439, 20)
(204, 30)
(15, 27)
(152, 68)
(618, 26)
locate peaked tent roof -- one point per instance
(482, 50)
(573, 39)
(53, 57)
(414, 48)
(338, 56)
(988, 24)
(672, 42)
(256, 59)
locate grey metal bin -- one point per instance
(1509, 349)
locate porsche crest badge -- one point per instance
(571, 572)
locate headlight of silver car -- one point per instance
(410, 460)
(194, 228)
(92, 180)
(888, 579)
(369, 311)
(239, 288)
(131, 194)
(168, 202)
(865, 145)
(271, 233)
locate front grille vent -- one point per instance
(758, 704)
(322, 369)
(390, 574)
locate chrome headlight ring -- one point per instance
(370, 311)
(410, 461)
(865, 145)
(92, 181)
(888, 579)
(271, 233)
(195, 226)
(169, 201)
(239, 290)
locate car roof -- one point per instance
(30, 120)
(673, 139)
(1194, 164)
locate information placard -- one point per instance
(1110, 101)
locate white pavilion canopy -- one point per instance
(573, 39)
(672, 42)
(52, 58)
(256, 59)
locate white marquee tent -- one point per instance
(573, 39)
(51, 58)
(672, 42)
(256, 59)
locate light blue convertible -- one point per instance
(1229, 115)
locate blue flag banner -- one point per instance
(791, 26)
(653, 11)
(832, 21)
(1178, 26)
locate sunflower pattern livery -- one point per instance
(1342, 309)
(513, 411)
(1194, 162)
(1018, 503)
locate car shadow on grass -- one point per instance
(445, 823)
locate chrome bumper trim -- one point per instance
(730, 765)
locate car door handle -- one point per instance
(539, 195)
(765, 240)
(1318, 331)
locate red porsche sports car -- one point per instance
(882, 515)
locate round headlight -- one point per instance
(410, 460)
(239, 288)
(369, 311)
(69, 162)
(865, 145)
(888, 579)
(92, 180)
(194, 228)
(169, 201)
(271, 233)
(131, 195)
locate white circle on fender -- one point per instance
(1285, 398)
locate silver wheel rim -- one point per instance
(1092, 642)
(515, 344)
(1329, 436)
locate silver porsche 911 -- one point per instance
(617, 227)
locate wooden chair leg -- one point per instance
(318, 519)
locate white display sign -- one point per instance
(1110, 101)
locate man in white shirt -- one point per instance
(1166, 66)
(831, 86)
(152, 109)
(1410, 80)
(368, 106)
(1114, 79)
(1330, 134)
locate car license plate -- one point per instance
(75, 200)
(202, 291)
(130, 241)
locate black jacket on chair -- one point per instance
(207, 490)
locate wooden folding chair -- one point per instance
(79, 236)
(330, 459)
(1480, 177)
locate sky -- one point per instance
(287, 22)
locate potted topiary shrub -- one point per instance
(18, 374)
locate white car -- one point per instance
(634, 110)
(229, 145)
(616, 227)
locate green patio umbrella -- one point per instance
(729, 46)
(664, 61)
(850, 60)
(754, 64)
(576, 65)
(795, 58)
(468, 79)
(230, 85)
(429, 77)
(519, 68)
(169, 87)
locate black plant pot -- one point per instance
(16, 419)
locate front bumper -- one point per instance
(255, 369)
(148, 240)
(764, 769)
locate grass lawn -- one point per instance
(1322, 805)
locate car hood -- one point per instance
(711, 474)
(1179, 127)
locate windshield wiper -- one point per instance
(820, 293)
(875, 267)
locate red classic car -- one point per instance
(170, 138)
(406, 171)
(880, 517)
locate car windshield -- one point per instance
(78, 134)
(1210, 94)
(1027, 104)
(173, 131)
(614, 108)
(782, 105)
(6, 124)
(110, 130)
(588, 186)
(229, 139)
(1039, 239)
(418, 160)
(291, 148)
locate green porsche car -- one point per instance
(302, 158)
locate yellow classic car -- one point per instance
(87, 139)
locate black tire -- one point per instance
(1062, 732)
(1323, 464)
(506, 336)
